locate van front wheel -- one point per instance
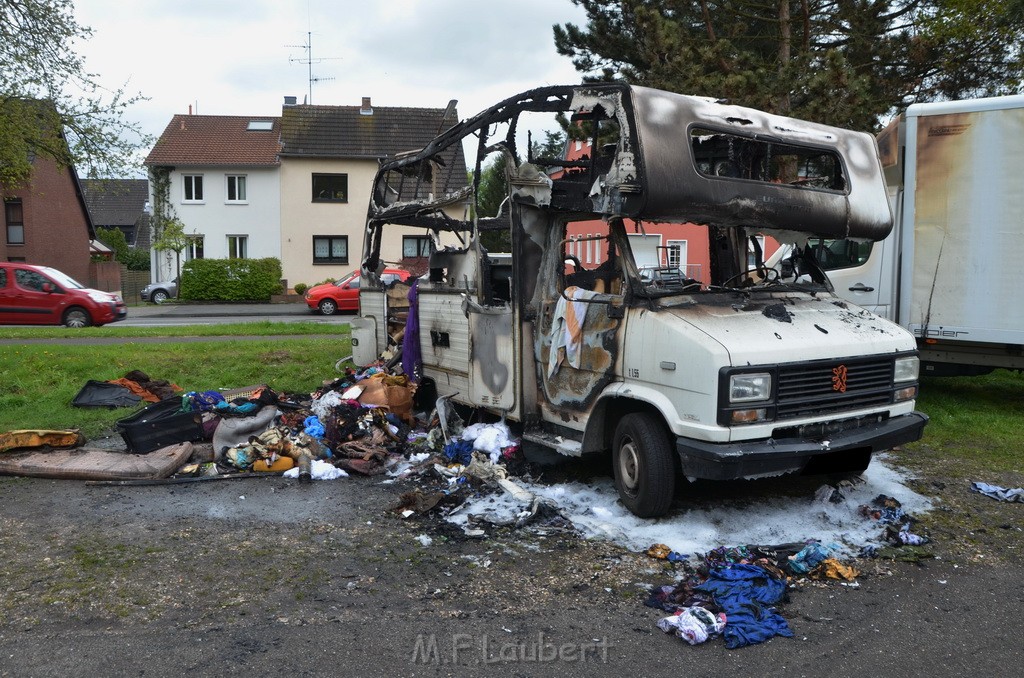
(76, 317)
(644, 470)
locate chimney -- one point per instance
(366, 108)
(290, 101)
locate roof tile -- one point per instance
(217, 140)
(346, 132)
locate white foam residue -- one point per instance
(595, 510)
(404, 465)
(499, 507)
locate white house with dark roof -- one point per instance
(295, 187)
(224, 186)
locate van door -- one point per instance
(856, 271)
(6, 296)
(578, 342)
(35, 299)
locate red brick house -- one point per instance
(46, 221)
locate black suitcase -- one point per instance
(159, 425)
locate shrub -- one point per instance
(133, 259)
(230, 279)
(301, 288)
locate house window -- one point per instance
(416, 246)
(330, 188)
(676, 254)
(330, 249)
(14, 215)
(237, 246)
(236, 188)
(194, 248)
(193, 187)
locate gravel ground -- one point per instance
(265, 576)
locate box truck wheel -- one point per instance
(645, 474)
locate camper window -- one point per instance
(731, 156)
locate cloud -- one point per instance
(241, 58)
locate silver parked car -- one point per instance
(159, 292)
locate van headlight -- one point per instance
(751, 387)
(907, 369)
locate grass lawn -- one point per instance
(975, 427)
(40, 380)
(975, 423)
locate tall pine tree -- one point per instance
(841, 62)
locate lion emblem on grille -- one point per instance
(839, 378)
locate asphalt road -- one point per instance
(267, 577)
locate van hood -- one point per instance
(780, 327)
(100, 295)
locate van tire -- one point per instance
(76, 316)
(644, 468)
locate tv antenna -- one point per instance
(308, 60)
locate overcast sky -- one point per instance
(233, 57)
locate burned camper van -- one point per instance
(737, 375)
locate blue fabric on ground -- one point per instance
(202, 402)
(745, 592)
(460, 451)
(244, 408)
(1000, 493)
(810, 557)
(314, 428)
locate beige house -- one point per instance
(329, 156)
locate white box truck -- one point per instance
(743, 376)
(951, 268)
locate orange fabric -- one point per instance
(134, 387)
(830, 568)
(281, 465)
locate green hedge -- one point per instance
(230, 279)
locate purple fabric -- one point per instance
(412, 357)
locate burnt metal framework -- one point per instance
(645, 166)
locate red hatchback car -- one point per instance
(40, 295)
(343, 295)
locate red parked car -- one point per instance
(40, 295)
(343, 295)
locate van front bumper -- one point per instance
(778, 456)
